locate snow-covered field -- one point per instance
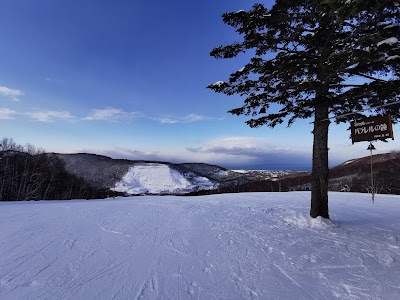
(238, 246)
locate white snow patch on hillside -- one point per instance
(389, 41)
(222, 173)
(349, 161)
(231, 246)
(153, 179)
(200, 182)
(241, 171)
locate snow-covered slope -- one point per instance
(101, 171)
(232, 246)
(159, 178)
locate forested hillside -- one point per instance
(28, 173)
(351, 176)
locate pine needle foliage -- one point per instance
(346, 52)
(316, 59)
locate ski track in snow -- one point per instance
(238, 246)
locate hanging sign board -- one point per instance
(371, 129)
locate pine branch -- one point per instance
(345, 85)
(370, 77)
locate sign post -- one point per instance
(371, 129)
(371, 147)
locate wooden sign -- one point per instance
(371, 129)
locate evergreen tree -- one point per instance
(315, 58)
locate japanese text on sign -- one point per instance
(372, 128)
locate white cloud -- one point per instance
(50, 116)
(110, 114)
(195, 118)
(41, 116)
(117, 114)
(7, 114)
(256, 152)
(190, 118)
(240, 146)
(10, 93)
(167, 120)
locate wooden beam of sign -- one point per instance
(372, 128)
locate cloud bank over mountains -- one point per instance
(229, 152)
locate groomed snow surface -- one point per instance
(159, 178)
(232, 246)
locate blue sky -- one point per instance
(128, 79)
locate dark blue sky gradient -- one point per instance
(128, 79)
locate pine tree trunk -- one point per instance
(320, 170)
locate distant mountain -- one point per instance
(14, 153)
(355, 175)
(153, 177)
